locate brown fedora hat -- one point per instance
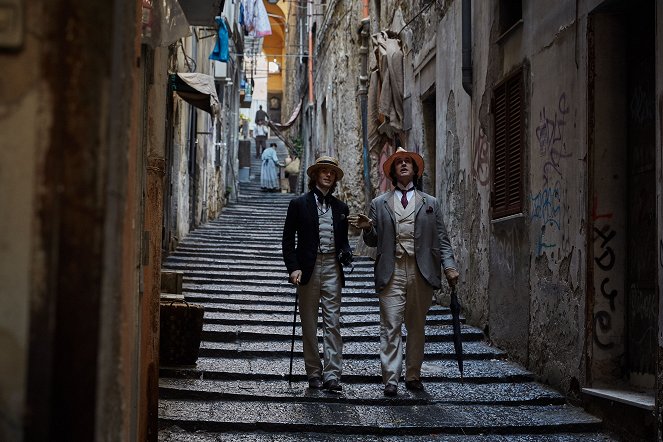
(400, 153)
(325, 161)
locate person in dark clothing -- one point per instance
(261, 115)
(315, 239)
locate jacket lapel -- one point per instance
(389, 205)
(312, 206)
(419, 202)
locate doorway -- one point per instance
(622, 257)
(429, 150)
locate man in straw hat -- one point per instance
(319, 221)
(407, 228)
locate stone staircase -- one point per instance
(239, 388)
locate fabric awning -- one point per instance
(291, 120)
(198, 90)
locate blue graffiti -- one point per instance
(546, 206)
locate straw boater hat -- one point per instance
(400, 153)
(324, 161)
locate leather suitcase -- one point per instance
(180, 334)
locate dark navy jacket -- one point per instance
(302, 223)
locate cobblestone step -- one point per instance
(367, 419)
(526, 393)
(229, 333)
(351, 350)
(357, 370)
(176, 434)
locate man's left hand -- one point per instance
(452, 276)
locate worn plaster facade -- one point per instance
(570, 284)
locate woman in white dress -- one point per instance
(269, 178)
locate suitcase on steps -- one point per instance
(180, 334)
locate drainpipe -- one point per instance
(467, 46)
(309, 13)
(363, 99)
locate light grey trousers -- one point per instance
(406, 298)
(324, 289)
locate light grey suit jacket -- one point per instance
(432, 247)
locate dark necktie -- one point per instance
(404, 197)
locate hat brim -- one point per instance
(314, 167)
(418, 160)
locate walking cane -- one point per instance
(292, 346)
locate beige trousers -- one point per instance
(323, 288)
(406, 298)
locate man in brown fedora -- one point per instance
(319, 223)
(406, 226)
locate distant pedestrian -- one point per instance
(269, 177)
(260, 134)
(407, 227)
(261, 115)
(315, 246)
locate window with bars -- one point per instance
(507, 191)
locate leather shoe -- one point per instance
(333, 385)
(315, 383)
(390, 390)
(415, 385)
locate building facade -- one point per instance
(540, 124)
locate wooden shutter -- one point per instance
(507, 146)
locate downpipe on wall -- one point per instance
(467, 46)
(363, 99)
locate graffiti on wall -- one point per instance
(546, 202)
(550, 135)
(480, 157)
(546, 207)
(604, 260)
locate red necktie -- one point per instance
(404, 197)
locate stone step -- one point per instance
(351, 350)
(356, 370)
(231, 333)
(275, 260)
(346, 419)
(176, 434)
(200, 275)
(359, 393)
(237, 294)
(286, 318)
(285, 290)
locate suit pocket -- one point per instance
(436, 254)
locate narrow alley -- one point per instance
(239, 390)
(509, 152)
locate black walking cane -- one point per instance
(292, 346)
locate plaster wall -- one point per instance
(462, 149)
(523, 277)
(556, 201)
(198, 198)
(337, 127)
(22, 148)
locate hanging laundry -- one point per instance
(261, 26)
(220, 52)
(249, 16)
